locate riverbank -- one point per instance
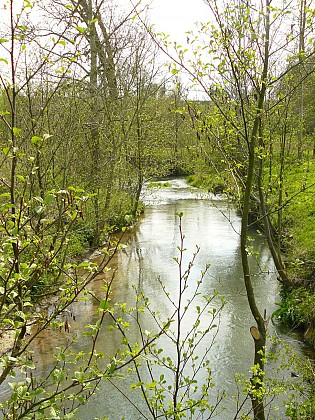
(297, 304)
(148, 259)
(213, 224)
(79, 252)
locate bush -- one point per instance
(297, 307)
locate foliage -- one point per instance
(295, 379)
(301, 410)
(80, 239)
(210, 182)
(298, 186)
(85, 120)
(175, 382)
(159, 184)
(296, 308)
(46, 218)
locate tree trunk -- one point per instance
(267, 223)
(259, 333)
(301, 59)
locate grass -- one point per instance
(298, 215)
(297, 306)
(210, 182)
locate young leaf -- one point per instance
(16, 131)
(80, 29)
(36, 139)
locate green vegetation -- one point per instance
(87, 117)
(159, 184)
(211, 182)
(297, 239)
(299, 214)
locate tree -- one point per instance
(36, 231)
(240, 74)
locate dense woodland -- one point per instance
(93, 104)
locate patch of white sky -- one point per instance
(175, 18)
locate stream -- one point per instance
(147, 261)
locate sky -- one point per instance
(174, 17)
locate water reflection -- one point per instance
(210, 223)
(214, 226)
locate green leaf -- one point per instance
(39, 210)
(80, 29)
(30, 364)
(21, 315)
(27, 3)
(21, 178)
(5, 195)
(39, 391)
(54, 413)
(61, 357)
(36, 139)
(2, 40)
(16, 131)
(151, 385)
(112, 368)
(49, 198)
(46, 220)
(104, 304)
(79, 376)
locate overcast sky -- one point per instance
(174, 17)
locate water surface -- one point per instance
(212, 224)
(147, 262)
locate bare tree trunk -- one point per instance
(101, 54)
(301, 59)
(268, 228)
(93, 123)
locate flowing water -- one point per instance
(212, 224)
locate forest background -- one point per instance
(89, 112)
